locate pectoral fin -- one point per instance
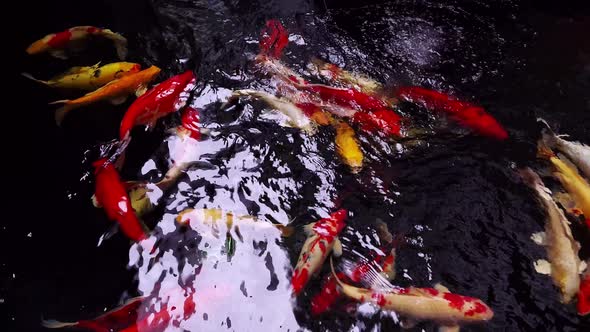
(543, 267)
(140, 90)
(337, 248)
(446, 328)
(118, 100)
(95, 202)
(539, 238)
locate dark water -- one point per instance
(465, 216)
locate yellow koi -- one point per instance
(116, 91)
(348, 146)
(89, 78)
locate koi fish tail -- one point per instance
(548, 136)
(54, 324)
(61, 112)
(29, 76)
(118, 157)
(544, 151)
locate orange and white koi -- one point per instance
(116, 91)
(156, 103)
(562, 249)
(55, 43)
(348, 147)
(111, 195)
(89, 78)
(577, 187)
(445, 308)
(321, 241)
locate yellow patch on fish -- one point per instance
(348, 147)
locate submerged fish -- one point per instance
(274, 39)
(347, 146)
(562, 249)
(89, 78)
(466, 114)
(578, 153)
(116, 91)
(321, 241)
(297, 117)
(577, 187)
(445, 308)
(112, 196)
(334, 73)
(155, 103)
(55, 43)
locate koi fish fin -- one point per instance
(371, 278)
(95, 202)
(61, 112)
(118, 100)
(121, 48)
(29, 76)
(539, 238)
(447, 328)
(441, 288)
(383, 232)
(59, 54)
(543, 267)
(54, 324)
(582, 267)
(337, 247)
(544, 151)
(286, 231)
(140, 90)
(408, 323)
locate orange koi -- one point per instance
(116, 91)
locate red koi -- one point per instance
(350, 98)
(466, 114)
(321, 241)
(274, 39)
(155, 104)
(111, 195)
(584, 295)
(382, 121)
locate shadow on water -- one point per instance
(466, 218)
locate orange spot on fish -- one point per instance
(299, 280)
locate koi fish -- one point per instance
(578, 153)
(350, 98)
(274, 38)
(55, 43)
(117, 318)
(382, 122)
(322, 239)
(334, 73)
(111, 195)
(116, 91)
(297, 117)
(584, 294)
(210, 217)
(562, 249)
(464, 113)
(274, 67)
(574, 184)
(445, 308)
(348, 146)
(89, 78)
(155, 104)
(315, 113)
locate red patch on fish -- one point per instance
(347, 97)
(111, 194)
(274, 39)
(299, 280)
(322, 301)
(466, 114)
(588, 222)
(190, 122)
(431, 291)
(383, 122)
(379, 299)
(455, 301)
(332, 225)
(479, 308)
(60, 39)
(155, 104)
(584, 296)
(93, 30)
(309, 108)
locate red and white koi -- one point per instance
(156, 103)
(55, 43)
(442, 307)
(322, 240)
(577, 152)
(334, 73)
(466, 114)
(112, 196)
